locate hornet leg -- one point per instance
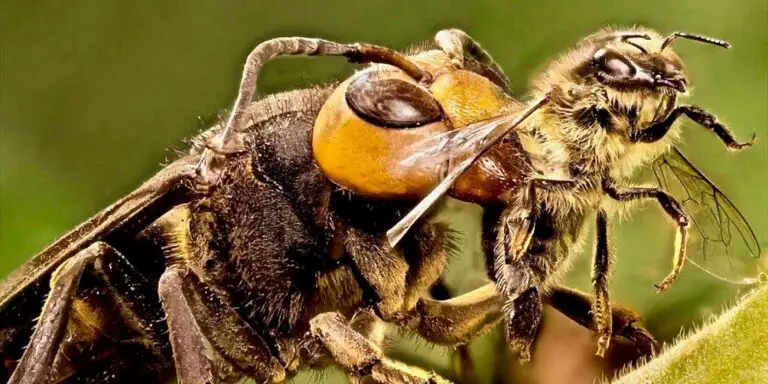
(459, 320)
(360, 356)
(37, 361)
(230, 140)
(197, 319)
(53, 346)
(455, 43)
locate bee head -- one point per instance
(614, 84)
(625, 61)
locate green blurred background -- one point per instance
(94, 93)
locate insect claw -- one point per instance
(748, 143)
(602, 345)
(665, 284)
(643, 340)
(524, 353)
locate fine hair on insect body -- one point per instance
(290, 233)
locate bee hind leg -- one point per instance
(361, 357)
(199, 319)
(577, 306)
(601, 269)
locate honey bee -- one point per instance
(291, 232)
(603, 110)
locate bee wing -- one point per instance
(722, 243)
(454, 145)
(478, 139)
(130, 213)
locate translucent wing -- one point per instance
(454, 145)
(722, 243)
(464, 146)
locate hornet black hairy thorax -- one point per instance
(288, 235)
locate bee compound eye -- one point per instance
(391, 102)
(618, 67)
(613, 63)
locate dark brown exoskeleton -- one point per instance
(271, 247)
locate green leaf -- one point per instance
(733, 348)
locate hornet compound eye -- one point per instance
(392, 102)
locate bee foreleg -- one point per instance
(578, 307)
(601, 270)
(36, 364)
(700, 116)
(673, 208)
(198, 321)
(361, 357)
(455, 43)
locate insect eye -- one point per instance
(614, 64)
(392, 102)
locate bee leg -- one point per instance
(37, 362)
(673, 208)
(455, 43)
(700, 116)
(199, 319)
(231, 139)
(601, 269)
(523, 319)
(360, 356)
(517, 283)
(578, 307)
(506, 237)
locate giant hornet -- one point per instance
(288, 233)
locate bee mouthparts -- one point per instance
(677, 84)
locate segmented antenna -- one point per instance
(624, 38)
(703, 39)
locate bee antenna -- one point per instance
(624, 38)
(704, 39)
